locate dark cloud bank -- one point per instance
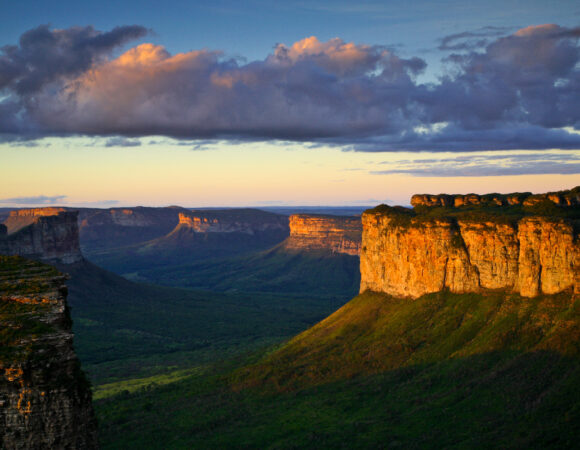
(499, 92)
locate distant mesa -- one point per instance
(321, 232)
(244, 220)
(20, 218)
(50, 235)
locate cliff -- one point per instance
(45, 400)
(246, 221)
(564, 198)
(20, 218)
(319, 232)
(408, 255)
(47, 237)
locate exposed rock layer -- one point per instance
(318, 232)
(563, 198)
(51, 238)
(535, 255)
(45, 400)
(247, 221)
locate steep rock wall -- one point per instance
(535, 255)
(245, 221)
(318, 232)
(51, 238)
(45, 400)
(565, 198)
(20, 218)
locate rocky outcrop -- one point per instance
(329, 233)
(409, 257)
(103, 229)
(246, 221)
(45, 399)
(51, 238)
(21, 218)
(562, 198)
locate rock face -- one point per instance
(412, 257)
(247, 221)
(102, 229)
(23, 217)
(45, 400)
(48, 237)
(562, 198)
(318, 232)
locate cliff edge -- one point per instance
(45, 399)
(46, 237)
(320, 232)
(408, 254)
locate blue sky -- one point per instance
(377, 99)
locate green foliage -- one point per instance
(375, 332)
(445, 370)
(125, 330)
(21, 281)
(276, 271)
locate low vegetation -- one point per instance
(446, 370)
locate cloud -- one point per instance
(471, 40)
(37, 200)
(119, 141)
(486, 165)
(519, 91)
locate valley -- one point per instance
(238, 328)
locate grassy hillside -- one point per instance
(276, 271)
(443, 371)
(375, 332)
(126, 330)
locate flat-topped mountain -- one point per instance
(323, 232)
(214, 233)
(45, 399)
(408, 256)
(243, 220)
(49, 235)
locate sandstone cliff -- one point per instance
(247, 221)
(409, 256)
(45, 400)
(562, 198)
(319, 232)
(48, 237)
(21, 218)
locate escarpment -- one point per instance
(319, 232)
(246, 221)
(569, 197)
(409, 255)
(48, 237)
(45, 399)
(20, 218)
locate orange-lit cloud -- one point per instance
(520, 91)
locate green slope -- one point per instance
(276, 271)
(375, 332)
(127, 330)
(442, 371)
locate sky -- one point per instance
(225, 103)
